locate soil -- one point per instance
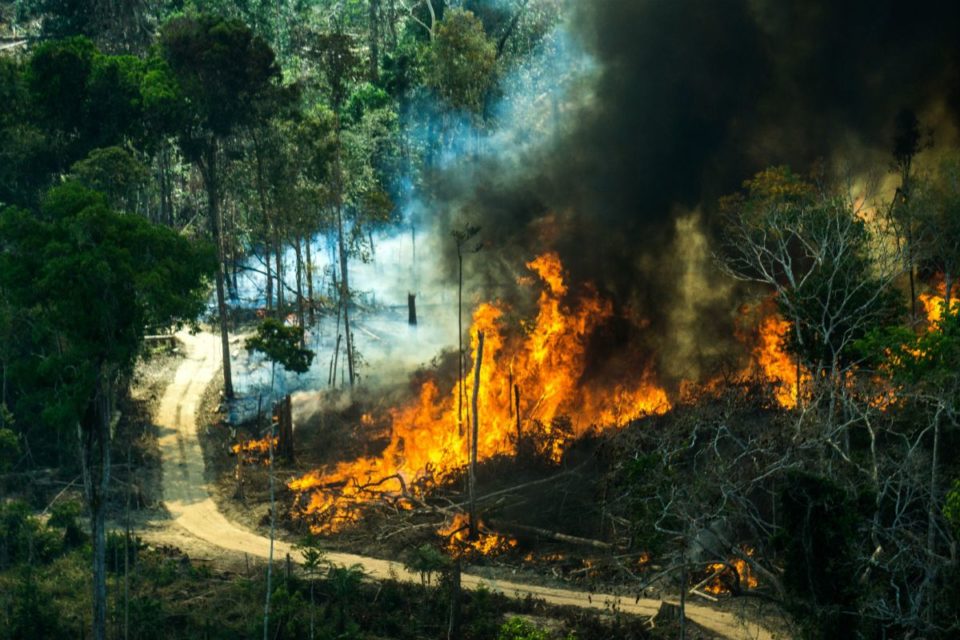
(203, 519)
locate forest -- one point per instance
(507, 319)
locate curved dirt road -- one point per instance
(192, 509)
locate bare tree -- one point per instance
(825, 262)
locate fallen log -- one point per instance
(553, 535)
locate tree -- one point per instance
(114, 172)
(820, 259)
(349, 138)
(460, 238)
(99, 279)
(906, 145)
(819, 538)
(925, 372)
(935, 208)
(425, 14)
(281, 345)
(461, 61)
(224, 73)
(313, 562)
(122, 26)
(83, 99)
(344, 583)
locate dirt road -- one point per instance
(192, 509)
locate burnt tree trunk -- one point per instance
(412, 308)
(474, 524)
(284, 418)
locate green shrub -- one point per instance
(520, 629)
(23, 538)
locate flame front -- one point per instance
(769, 357)
(547, 364)
(777, 365)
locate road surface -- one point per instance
(192, 509)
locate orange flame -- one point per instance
(547, 364)
(769, 357)
(254, 447)
(933, 305)
(724, 578)
(458, 542)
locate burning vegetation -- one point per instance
(532, 388)
(459, 543)
(254, 450)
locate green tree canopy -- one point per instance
(281, 345)
(92, 280)
(223, 71)
(461, 61)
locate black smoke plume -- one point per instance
(690, 98)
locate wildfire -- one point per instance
(770, 358)
(458, 542)
(254, 450)
(933, 307)
(546, 364)
(723, 576)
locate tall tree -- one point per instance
(906, 145)
(225, 73)
(339, 64)
(935, 210)
(814, 252)
(281, 345)
(461, 61)
(98, 279)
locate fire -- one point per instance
(254, 450)
(458, 542)
(770, 358)
(933, 305)
(546, 364)
(723, 576)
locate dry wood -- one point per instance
(708, 578)
(474, 524)
(704, 595)
(553, 535)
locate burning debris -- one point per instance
(458, 542)
(253, 451)
(535, 380)
(729, 577)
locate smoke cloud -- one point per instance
(671, 105)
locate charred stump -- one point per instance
(412, 309)
(283, 416)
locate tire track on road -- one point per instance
(188, 499)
